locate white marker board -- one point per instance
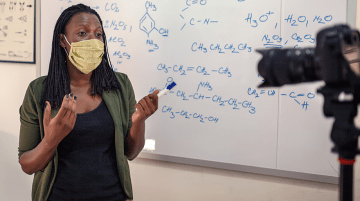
(208, 48)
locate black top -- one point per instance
(87, 167)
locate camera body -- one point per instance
(324, 62)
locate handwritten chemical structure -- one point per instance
(254, 22)
(221, 49)
(293, 95)
(196, 69)
(233, 103)
(303, 20)
(194, 21)
(187, 115)
(117, 25)
(301, 39)
(205, 85)
(147, 24)
(118, 40)
(257, 95)
(153, 46)
(190, 3)
(194, 2)
(217, 99)
(275, 41)
(113, 7)
(121, 55)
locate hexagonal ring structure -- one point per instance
(147, 24)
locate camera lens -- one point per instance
(287, 66)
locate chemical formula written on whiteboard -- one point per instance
(232, 103)
(192, 21)
(221, 48)
(257, 93)
(147, 24)
(303, 20)
(188, 115)
(275, 41)
(117, 25)
(254, 21)
(180, 69)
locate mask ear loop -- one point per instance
(66, 51)
(68, 43)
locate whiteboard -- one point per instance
(216, 112)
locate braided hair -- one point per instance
(57, 83)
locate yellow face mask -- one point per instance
(86, 55)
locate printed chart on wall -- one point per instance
(17, 31)
(216, 112)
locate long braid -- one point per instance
(57, 83)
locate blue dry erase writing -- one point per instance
(167, 89)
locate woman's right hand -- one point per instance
(57, 128)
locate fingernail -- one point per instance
(75, 97)
(71, 95)
(67, 95)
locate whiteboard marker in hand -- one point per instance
(166, 90)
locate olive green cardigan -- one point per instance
(121, 107)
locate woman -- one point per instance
(78, 124)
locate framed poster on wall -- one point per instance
(17, 31)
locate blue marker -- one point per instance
(166, 90)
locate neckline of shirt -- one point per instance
(92, 111)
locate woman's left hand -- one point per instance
(145, 107)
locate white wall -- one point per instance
(152, 180)
(15, 185)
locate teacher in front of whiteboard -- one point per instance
(80, 124)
